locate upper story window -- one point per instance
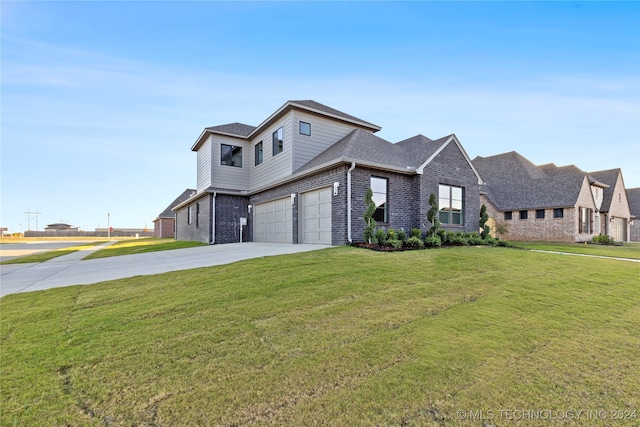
(450, 204)
(379, 189)
(508, 215)
(258, 153)
(305, 128)
(230, 155)
(278, 143)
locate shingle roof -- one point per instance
(633, 196)
(364, 147)
(515, 183)
(168, 213)
(609, 177)
(239, 129)
(313, 105)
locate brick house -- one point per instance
(633, 196)
(164, 226)
(552, 203)
(301, 175)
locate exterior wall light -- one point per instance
(335, 188)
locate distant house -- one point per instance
(301, 176)
(552, 203)
(60, 227)
(164, 226)
(633, 196)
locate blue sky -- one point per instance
(101, 101)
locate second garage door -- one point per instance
(316, 216)
(274, 221)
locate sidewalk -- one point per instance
(69, 270)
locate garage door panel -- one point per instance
(316, 216)
(273, 221)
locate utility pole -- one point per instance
(29, 213)
(108, 226)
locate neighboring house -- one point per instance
(164, 226)
(301, 176)
(552, 203)
(60, 227)
(633, 196)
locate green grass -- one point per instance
(628, 250)
(342, 336)
(46, 256)
(138, 246)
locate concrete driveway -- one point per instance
(70, 270)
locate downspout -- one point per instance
(212, 217)
(353, 166)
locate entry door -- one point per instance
(316, 216)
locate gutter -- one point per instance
(353, 166)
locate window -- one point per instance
(524, 214)
(230, 155)
(584, 220)
(450, 204)
(197, 214)
(278, 143)
(305, 128)
(258, 153)
(539, 213)
(558, 213)
(508, 215)
(188, 214)
(379, 189)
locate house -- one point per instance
(633, 196)
(164, 226)
(552, 203)
(60, 227)
(301, 175)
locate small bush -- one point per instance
(475, 239)
(402, 235)
(444, 235)
(394, 243)
(414, 242)
(602, 239)
(381, 236)
(458, 239)
(432, 241)
(391, 234)
(416, 232)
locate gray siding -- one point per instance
(231, 177)
(324, 133)
(204, 165)
(272, 168)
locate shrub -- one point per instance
(381, 236)
(402, 235)
(484, 217)
(432, 241)
(367, 216)
(444, 235)
(459, 239)
(602, 239)
(432, 215)
(475, 239)
(391, 234)
(395, 243)
(416, 232)
(414, 242)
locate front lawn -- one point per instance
(138, 246)
(463, 336)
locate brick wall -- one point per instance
(198, 229)
(164, 228)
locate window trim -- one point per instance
(450, 202)
(279, 147)
(233, 158)
(300, 128)
(385, 209)
(260, 151)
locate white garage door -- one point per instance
(273, 221)
(316, 216)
